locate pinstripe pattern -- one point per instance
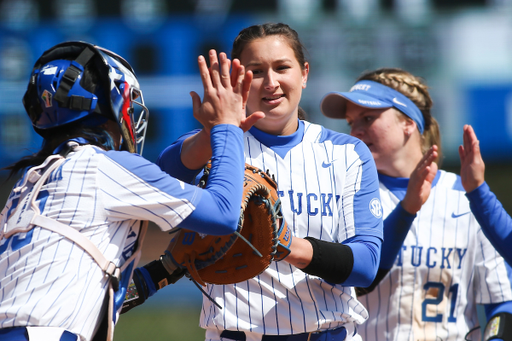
(317, 183)
(46, 280)
(446, 267)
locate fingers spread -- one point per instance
(214, 69)
(225, 65)
(246, 86)
(204, 72)
(234, 76)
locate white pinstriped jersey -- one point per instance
(445, 267)
(318, 180)
(47, 280)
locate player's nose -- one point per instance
(356, 130)
(270, 81)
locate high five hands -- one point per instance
(225, 93)
(472, 166)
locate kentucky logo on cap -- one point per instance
(363, 87)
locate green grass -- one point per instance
(176, 323)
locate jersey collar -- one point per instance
(398, 186)
(79, 140)
(280, 144)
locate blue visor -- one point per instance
(372, 95)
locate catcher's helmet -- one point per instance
(56, 95)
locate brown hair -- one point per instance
(251, 33)
(416, 90)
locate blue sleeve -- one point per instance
(170, 160)
(496, 308)
(367, 204)
(396, 227)
(496, 223)
(224, 188)
(366, 251)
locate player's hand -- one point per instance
(472, 166)
(225, 94)
(248, 121)
(420, 182)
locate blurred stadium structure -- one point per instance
(463, 48)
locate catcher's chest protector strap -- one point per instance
(31, 186)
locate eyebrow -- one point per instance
(364, 111)
(282, 60)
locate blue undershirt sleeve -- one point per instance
(496, 223)
(366, 251)
(496, 308)
(170, 160)
(396, 227)
(218, 210)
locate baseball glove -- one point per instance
(262, 236)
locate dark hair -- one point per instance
(251, 33)
(416, 90)
(88, 128)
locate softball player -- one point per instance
(436, 263)
(328, 186)
(73, 224)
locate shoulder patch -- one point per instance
(375, 207)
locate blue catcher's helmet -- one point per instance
(81, 82)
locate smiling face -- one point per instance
(392, 139)
(277, 85)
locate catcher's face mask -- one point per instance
(55, 95)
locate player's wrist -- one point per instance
(163, 274)
(408, 207)
(147, 280)
(301, 253)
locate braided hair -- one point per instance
(416, 90)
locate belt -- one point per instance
(337, 334)
(21, 334)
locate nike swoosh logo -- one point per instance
(458, 215)
(327, 164)
(398, 102)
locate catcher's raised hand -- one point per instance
(224, 93)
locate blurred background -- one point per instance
(463, 49)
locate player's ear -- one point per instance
(305, 73)
(409, 126)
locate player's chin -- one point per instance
(377, 157)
